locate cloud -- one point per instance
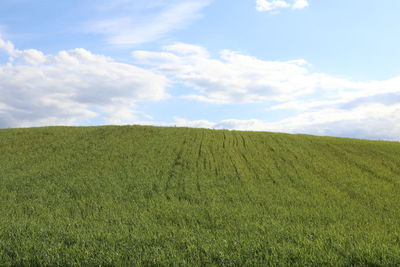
(75, 87)
(271, 5)
(135, 28)
(374, 117)
(71, 87)
(369, 121)
(300, 4)
(324, 104)
(7, 46)
(180, 122)
(234, 77)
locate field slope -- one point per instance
(178, 196)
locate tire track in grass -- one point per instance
(209, 165)
(211, 149)
(338, 182)
(360, 164)
(284, 157)
(177, 165)
(230, 154)
(198, 162)
(359, 187)
(237, 169)
(224, 139)
(265, 153)
(246, 153)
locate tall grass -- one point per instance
(138, 195)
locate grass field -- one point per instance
(137, 195)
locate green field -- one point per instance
(136, 195)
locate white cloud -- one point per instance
(325, 104)
(71, 87)
(75, 86)
(300, 4)
(369, 121)
(238, 78)
(271, 5)
(136, 28)
(7, 46)
(234, 77)
(180, 122)
(187, 49)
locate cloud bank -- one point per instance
(372, 121)
(233, 77)
(78, 87)
(324, 104)
(71, 87)
(237, 78)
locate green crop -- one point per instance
(139, 195)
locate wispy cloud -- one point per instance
(271, 5)
(151, 23)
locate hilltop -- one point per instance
(179, 196)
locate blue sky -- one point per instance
(298, 66)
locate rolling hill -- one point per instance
(144, 195)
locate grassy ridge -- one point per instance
(149, 195)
